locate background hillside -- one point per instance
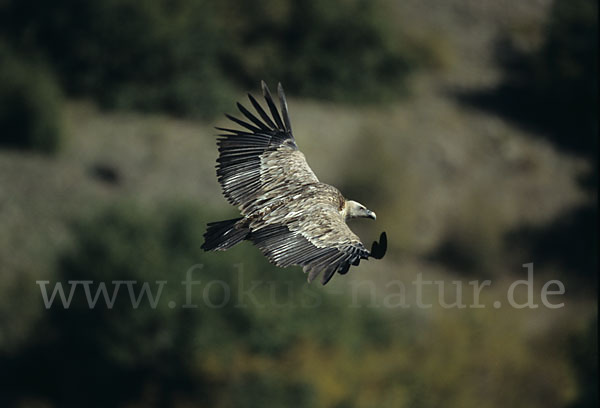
(470, 127)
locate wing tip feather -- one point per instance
(378, 249)
(265, 88)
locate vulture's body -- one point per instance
(291, 216)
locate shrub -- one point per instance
(184, 57)
(30, 106)
(181, 354)
(268, 351)
(553, 88)
(342, 50)
(126, 54)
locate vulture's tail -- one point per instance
(222, 235)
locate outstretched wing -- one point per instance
(293, 219)
(264, 157)
(318, 240)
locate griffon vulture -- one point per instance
(291, 216)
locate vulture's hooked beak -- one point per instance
(371, 214)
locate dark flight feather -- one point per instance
(271, 105)
(261, 112)
(284, 108)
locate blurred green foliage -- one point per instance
(30, 105)
(345, 50)
(584, 353)
(218, 356)
(556, 87)
(184, 57)
(147, 55)
(550, 87)
(282, 344)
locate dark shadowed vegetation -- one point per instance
(148, 55)
(30, 105)
(553, 88)
(185, 57)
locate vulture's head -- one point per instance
(352, 209)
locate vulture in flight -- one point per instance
(291, 216)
